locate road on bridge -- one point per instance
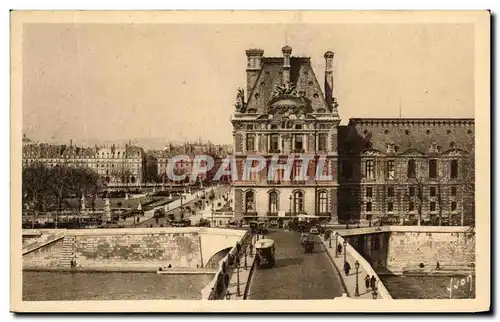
(296, 275)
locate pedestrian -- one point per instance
(374, 294)
(157, 220)
(367, 282)
(339, 248)
(438, 267)
(373, 283)
(251, 249)
(347, 268)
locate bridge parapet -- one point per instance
(383, 293)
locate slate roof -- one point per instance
(301, 75)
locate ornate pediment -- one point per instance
(372, 152)
(454, 152)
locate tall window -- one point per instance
(432, 191)
(411, 191)
(322, 141)
(391, 170)
(369, 192)
(433, 206)
(390, 192)
(453, 206)
(299, 142)
(453, 191)
(369, 206)
(254, 175)
(454, 169)
(297, 167)
(274, 142)
(250, 142)
(390, 206)
(411, 206)
(249, 201)
(322, 202)
(412, 169)
(298, 202)
(273, 201)
(370, 169)
(433, 168)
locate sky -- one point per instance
(159, 82)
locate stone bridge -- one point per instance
(134, 248)
(398, 249)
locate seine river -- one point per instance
(59, 286)
(425, 287)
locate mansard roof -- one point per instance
(409, 135)
(302, 76)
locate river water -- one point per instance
(67, 286)
(425, 287)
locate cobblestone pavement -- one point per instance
(296, 275)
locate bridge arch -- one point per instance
(213, 262)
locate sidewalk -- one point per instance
(350, 280)
(245, 275)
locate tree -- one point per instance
(151, 169)
(35, 189)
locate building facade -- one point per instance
(384, 170)
(415, 170)
(116, 166)
(285, 113)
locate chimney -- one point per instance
(287, 51)
(329, 77)
(254, 58)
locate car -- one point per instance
(314, 231)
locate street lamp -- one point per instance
(238, 291)
(336, 245)
(246, 267)
(356, 291)
(330, 240)
(345, 252)
(290, 198)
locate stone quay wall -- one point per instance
(145, 250)
(453, 249)
(130, 249)
(394, 249)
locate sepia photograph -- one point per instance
(289, 161)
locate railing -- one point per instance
(217, 288)
(381, 289)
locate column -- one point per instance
(292, 142)
(304, 142)
(268, 142)
(257, 142)
(244, 139)
(280, 143)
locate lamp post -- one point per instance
(336, 245)
(345, 251)
(238, 291)
(246, 265)
(290, 198)
(330, 240)
(356, 291)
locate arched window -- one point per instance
(322, 202)
(298, 201)
(250, 201)
(412, 169)
(273, 201)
